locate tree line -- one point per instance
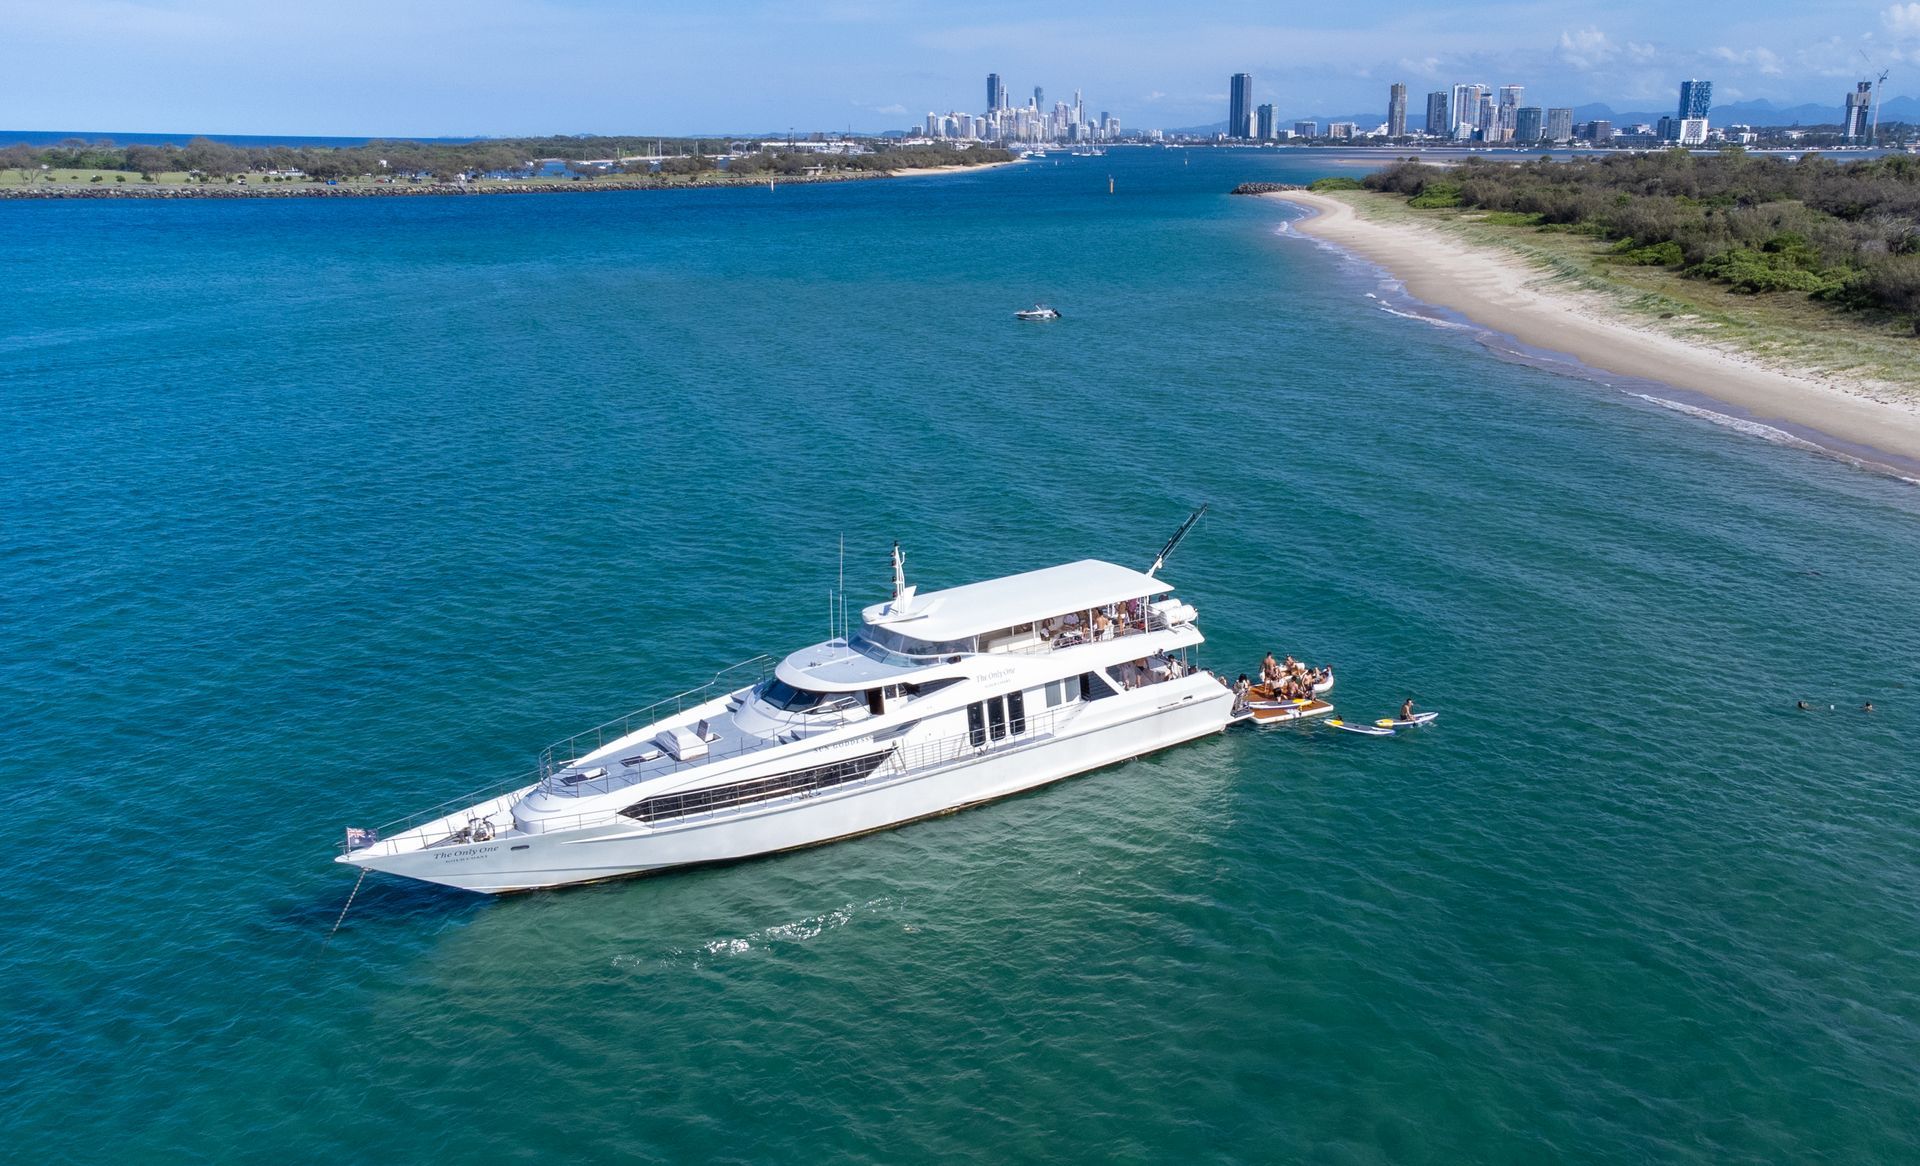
(445, 160)
(1845, 233)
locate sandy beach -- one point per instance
(1503, 292)
(922, 171)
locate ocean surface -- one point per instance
(315, 513)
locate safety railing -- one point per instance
(556, 756)
(411, 828)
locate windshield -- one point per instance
(788, 699)
(890, 647)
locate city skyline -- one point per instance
(578, 66)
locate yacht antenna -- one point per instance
(1160, 559)
(843, 585)
(899, 572)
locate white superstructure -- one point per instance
(932, 703)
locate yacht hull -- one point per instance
(1184, 710)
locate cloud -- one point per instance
(1156, 95)
(1423, 67)
(893, 109)
(1765, 61)
(1902, 20)
(1586, 48)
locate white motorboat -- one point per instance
(933, 702)
(1037, 312)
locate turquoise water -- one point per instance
(315, 514)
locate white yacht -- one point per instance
(934, 702)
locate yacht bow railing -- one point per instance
(496, 797)
(560, 754)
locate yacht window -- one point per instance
(836, 703)
(997, 717)
(976, 725)
(1017, 712)
(800, 781)
(930, 687)
(789, 699)
(885, 644)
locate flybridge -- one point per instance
(976, 609)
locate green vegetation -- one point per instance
(1322, 185)
(1841, 234)
(202, 160)
(1511, 219)
(1436, 196)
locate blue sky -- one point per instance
(459, 67)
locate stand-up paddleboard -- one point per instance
(1367, 730)
(1417, 720)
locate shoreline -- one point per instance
(925, 171)
(460, 189)
(1505, 293)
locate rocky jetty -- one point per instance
(1265, 187)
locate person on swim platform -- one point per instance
(1406, 710)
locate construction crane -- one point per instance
(1873, 135)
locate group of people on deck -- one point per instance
(1102, 623)
(1287, 679)
(1291, 679)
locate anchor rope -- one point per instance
(344, 910)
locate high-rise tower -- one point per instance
(1466, 109)
(1240, 106)
(1397, 111)
(1695, 98)
(996, 93)
(1437, 123)
(1859, 108)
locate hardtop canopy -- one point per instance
(991, 605)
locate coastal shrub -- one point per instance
(1436, 195)
(1763, 271)
(1337, 183)
(1665, 254)
(1894, 282)
(1401, 178)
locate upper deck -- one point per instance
(1035, 612)
(979, 609)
